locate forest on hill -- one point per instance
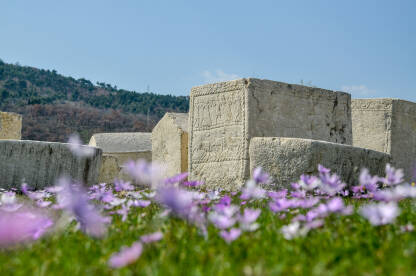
(54, 106)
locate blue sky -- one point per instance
(365, 47)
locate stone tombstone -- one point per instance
(118, 148)
(40, 164)
(286, 159)
(10, 126)
(387, 125)
(170, 143)
(225, 116)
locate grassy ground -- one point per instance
(344, 245)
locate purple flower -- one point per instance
(396, 193)
(251, 190)
(230, 236)
(295, 186)
(407, 228)
(292, 230)
(154, 237)
(260, 177)
(309, 182)
(141, 203)
(380, 213)
(248, 218)
(74, 199)
(335, 205)
(330, 183)
(177, 178)
(107, 197)
(176, 199)
(148, 174)
(192, 183)
(126, 256)
(225, 200)
(314, 224)
(308, 202)
(323, 170)
(221, 221)
(33, 195)
(42, 204)
(280, 205)
(120, 185)
(22, 226)
(298, 194)
(76, 147)
(393, 176)
(228, 211)
(358, 189)
(276, 195)
(368, 181)
(8, 202)
(123, 211)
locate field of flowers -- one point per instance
(317, 227)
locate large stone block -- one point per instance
(118, 148)
(387, 125)
(286, 159)
(39, 164)
(170, 143)
(224, 116)
(10, 126)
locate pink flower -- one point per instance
(126, 256)
(22, 226)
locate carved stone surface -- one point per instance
(224, 116)
(118, 148)
(387, 125)
(39, 164)
(286, 159)
(170, 143)
(10, 126)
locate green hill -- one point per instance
(54, 106)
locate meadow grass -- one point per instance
(344, 245)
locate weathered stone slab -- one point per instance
(39, 164)
(387, 125)
(224, 116)
(118, 148)
(286, 159)
(10, 126)
(170, 143)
